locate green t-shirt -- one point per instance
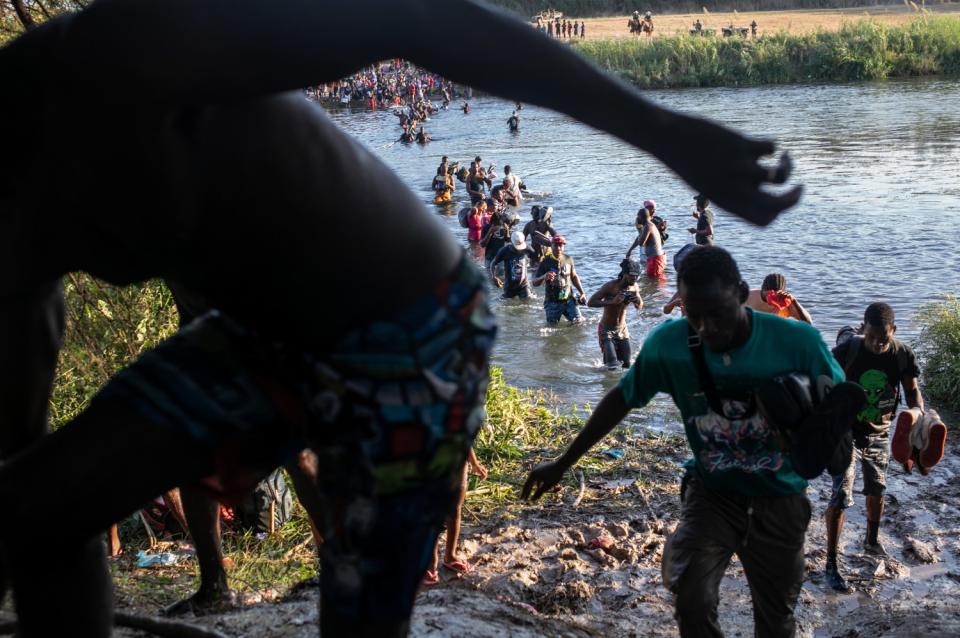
(738, 455)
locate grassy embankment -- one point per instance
(862, 50)
(108, 327)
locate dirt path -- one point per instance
(768, 21)
(537, 574)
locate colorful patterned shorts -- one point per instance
(391, 411)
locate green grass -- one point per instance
(939, 348)
(861, 50)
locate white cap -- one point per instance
(518, 240)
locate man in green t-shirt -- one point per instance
(741, 494)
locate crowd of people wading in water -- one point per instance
(373, 408)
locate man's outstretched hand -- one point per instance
(724, 165)
(542, 478)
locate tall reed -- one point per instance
(861, 50)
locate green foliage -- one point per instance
(107, 328)
(519, 423)
(862, 50)
(939, 347)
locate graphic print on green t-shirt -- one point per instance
(740, 440)
(738, 454)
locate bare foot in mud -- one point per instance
(202, 603)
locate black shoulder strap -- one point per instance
(703, 372)
(853, 349)
(903, 360)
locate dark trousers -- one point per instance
(767, 533)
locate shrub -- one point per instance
(939, 347)
(107, 328)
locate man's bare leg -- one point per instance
(203, 518)
(450, 559)
(874, 514)
(303, 474)
(203, 521)
(114, 548)
(834, 518)
(171, 499)
(98, 453)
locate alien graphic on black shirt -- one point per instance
(874, 382)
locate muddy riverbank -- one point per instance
(594, 569)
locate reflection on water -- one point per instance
(878, 221)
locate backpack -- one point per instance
(268, 506)
(661, 225)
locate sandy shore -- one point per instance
(767, 21)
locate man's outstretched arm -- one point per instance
(609, 412)
(217, 50)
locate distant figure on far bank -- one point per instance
(753, 28)
(514, 122)
(774, 299)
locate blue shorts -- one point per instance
(391, 411)
(556, 309)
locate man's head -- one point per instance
(478, 160)
(650, 205)
(506, 169)
(713, 293)
(702, 201)
(535, 213)
(518, 240)
(774, 282)
(643, 216)
(491, 203)
(878, 328)
(559, 242)
(630, 271)
(443, 160)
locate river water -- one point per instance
(879, 219)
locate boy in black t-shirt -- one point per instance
(880, 364)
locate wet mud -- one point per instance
(594, 569)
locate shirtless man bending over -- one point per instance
(165, 138)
